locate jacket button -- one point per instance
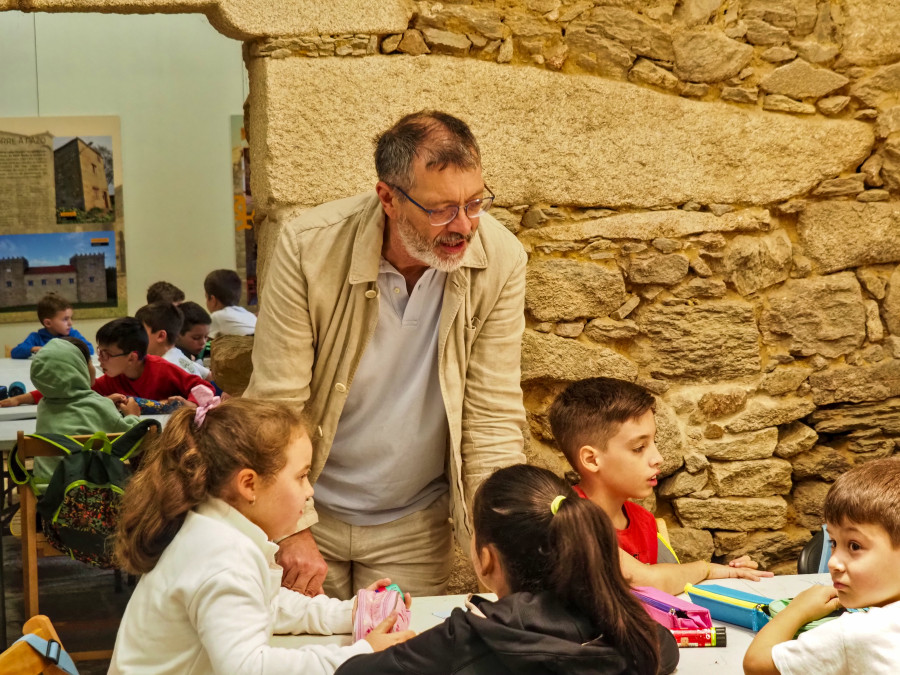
(371, 294)
(340, 387)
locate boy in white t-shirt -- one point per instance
(862, 511)
(223, 293)
(162, 321)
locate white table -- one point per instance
(694, 661)
(15, 370)
(9, 429)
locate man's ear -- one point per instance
(387, 198)
(590, 458)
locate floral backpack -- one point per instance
(79, 507)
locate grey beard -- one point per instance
(423, 249)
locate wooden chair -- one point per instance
(34, 543)
(22, 659)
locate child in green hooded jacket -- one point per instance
(63, 373)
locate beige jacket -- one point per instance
(319, 309)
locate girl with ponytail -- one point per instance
(198, 520)
(563, 605)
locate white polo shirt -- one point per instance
(389, 452)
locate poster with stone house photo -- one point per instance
(61, 215)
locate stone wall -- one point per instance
(708, 191)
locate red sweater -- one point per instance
(638, 539)
(160, 380)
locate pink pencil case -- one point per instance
(373, 607)
(671, 612)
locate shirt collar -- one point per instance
(218, 509)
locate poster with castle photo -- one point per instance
(244, 232)
(61, 215)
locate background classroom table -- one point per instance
(712, 660)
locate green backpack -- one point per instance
(80, 505)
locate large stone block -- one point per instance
(759, 262)
(768, 548)
(629, 28)
(663, 269)
(246, 19)
(563, 290)
(750, 445)
(649, 225)
(682, 483)
(871, 31)
(837, 235)
(808, 498)
(310, 134)
(817, 315)
(708, 55)
(231, 362)
(670, 439)
(795, 438)
(740, 514)
(751, 478)
(860, 383)
(884, 416)
(710, 341)
(555, 358)
(765, 411)
(881, 89)
(891, 305)
(823, 463)
(691, 544)
(799, 79)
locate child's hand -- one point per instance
(381, 583)
(729, 572)
(381, 638)
(130, 407)
(35, 350)
(118, 399)
(9, 402)
(814, 603)
(744, 561)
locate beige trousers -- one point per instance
(415, 552)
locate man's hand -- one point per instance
(381, 639)
(304, 567)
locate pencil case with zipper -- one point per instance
(726, 604)
(673, 613)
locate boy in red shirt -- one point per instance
(130, 371)
(606, 428)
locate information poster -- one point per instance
(61, 216)
(244, 233)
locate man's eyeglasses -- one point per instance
(439, 217)
(104, 355)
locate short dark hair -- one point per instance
(162, 316)
(589, 412)
(83, 348)
(163, 291)
(224, 286)
(127, 334)
(441, 140)
(50, 305)
(868, 494)
(193, 314)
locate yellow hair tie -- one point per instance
(554, 505)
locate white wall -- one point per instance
(174, 82)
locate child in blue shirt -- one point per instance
(55, 314)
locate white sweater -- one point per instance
(213, 601)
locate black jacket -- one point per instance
(522, 634)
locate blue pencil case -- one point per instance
(731, 606)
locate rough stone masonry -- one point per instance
(707, 189)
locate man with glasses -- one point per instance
(395, 318)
